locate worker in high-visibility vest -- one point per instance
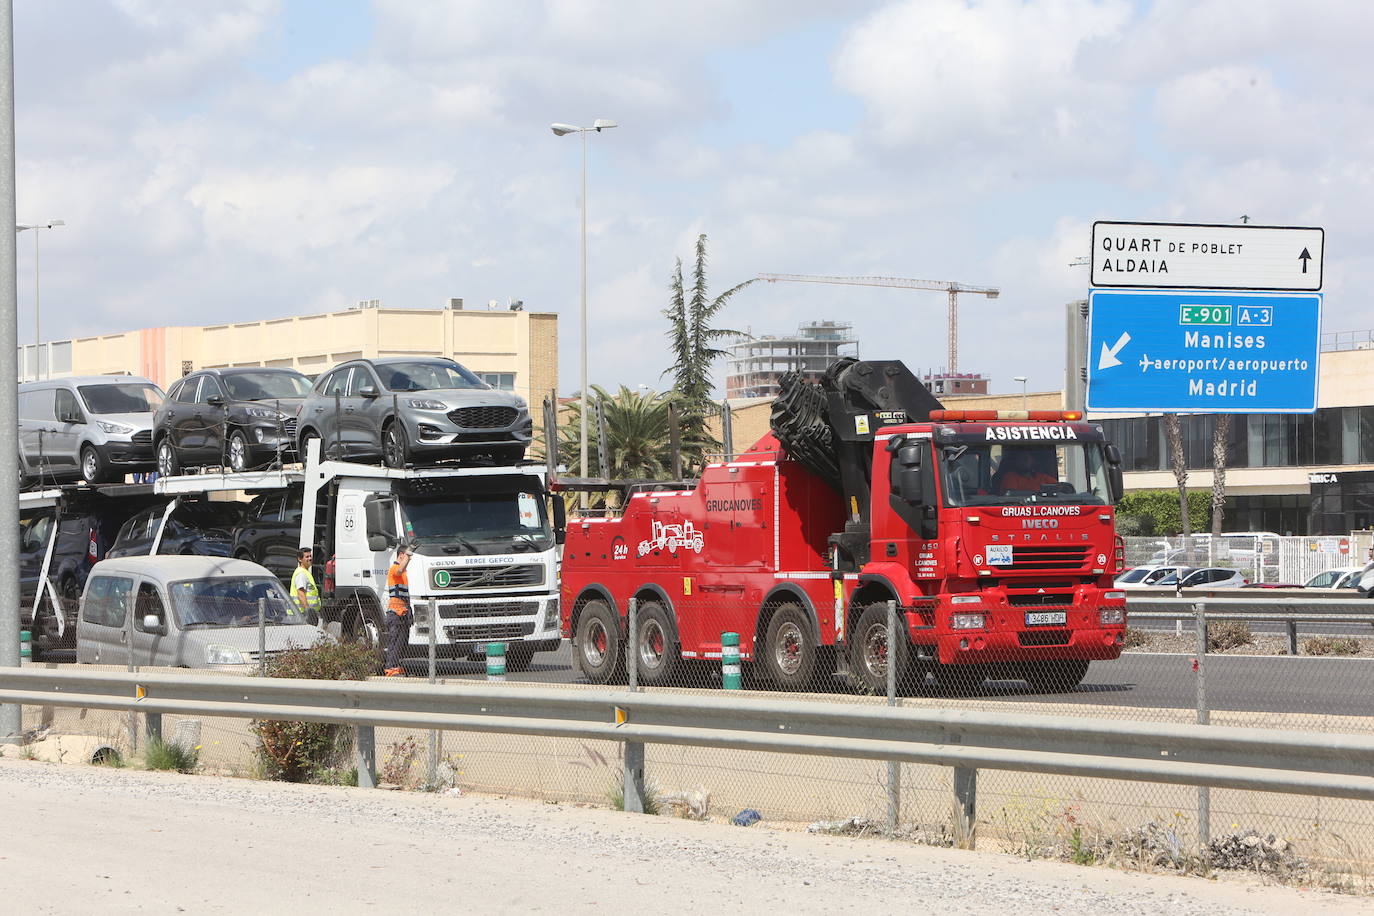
(303, 586)
(397, 611)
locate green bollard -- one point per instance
(25, 647)
(496, 661)
(729, 661)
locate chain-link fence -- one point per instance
(1246, 677)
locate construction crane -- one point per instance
(949, 286)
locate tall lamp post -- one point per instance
(1022, 380)
(37, 336)
(561, 130)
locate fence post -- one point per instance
(365, 756)
(729, 661)
(894, 768)
(496, 661)
(262, 637)
(1204, 794)
(431, 609)
(25, 647)
(633, 778)
(965, 807)
(1292, 637)
(129, 666)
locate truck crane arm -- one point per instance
(829, 428)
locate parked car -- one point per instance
(1337, 577)
(192, 612)
(405, 410)
(270, 532)
(194, 527)
(235, 418)
(1206, 577)
(1145, 576)
(92, 428)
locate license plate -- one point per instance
(1044, 618)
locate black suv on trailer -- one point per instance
(235, 418)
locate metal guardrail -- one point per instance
(1291, 612)
(1332, 765)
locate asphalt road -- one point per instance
(1314, 686)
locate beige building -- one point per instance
(512, 350)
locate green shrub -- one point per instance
(307, 751)
(161, 755)
(1228, 634)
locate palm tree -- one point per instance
(693, 340)
(637, 435)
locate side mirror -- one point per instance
(1113, 454)
(906, 473)
(367, 391)
(70, 417)
(560, 519)
(152, 623)
(215, 400)
(1115, 483)
(381, 522)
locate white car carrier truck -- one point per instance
(485, 538)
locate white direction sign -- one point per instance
(1187, 256)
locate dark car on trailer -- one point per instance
(200, 527)
(235, 418)
(270, 532)
(410, 410)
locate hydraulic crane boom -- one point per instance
(949, 286)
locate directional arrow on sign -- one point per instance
(1108, 358)
(1305, 257)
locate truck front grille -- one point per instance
(1048, 557)
(524, 574)
(489, 609)
(1048, 599)
(489, 632)
(483, 417)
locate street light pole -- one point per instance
(560, 130)
(37, 327)
(1022, 380)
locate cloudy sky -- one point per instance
(228, 159)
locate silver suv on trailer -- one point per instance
(408, 410)
(93, 428)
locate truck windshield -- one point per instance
(485, 522)
(231, 602)
(998, 474)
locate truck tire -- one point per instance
(1060, 676)
(362, 624)
(960, 680)
(518, 656)
(600, 652)
(658, 655)
(870, 654)
(789, 649)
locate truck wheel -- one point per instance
(600, 652)
(1056, 677)
(960, 680)
(362, 625)
(789, 650)
(870, 653)
(658, 657)
(518, 656)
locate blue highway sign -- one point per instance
(1181, 351)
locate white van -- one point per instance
(187, 612)
(94, 428)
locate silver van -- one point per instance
(95, 428)
(187, 612)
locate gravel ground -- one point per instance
(1261, 644)
(126, 841)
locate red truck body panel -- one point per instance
(755, 531)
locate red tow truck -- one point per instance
(993, 533)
